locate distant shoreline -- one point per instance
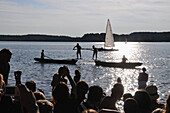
(92, 37)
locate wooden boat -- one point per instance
(118, 64)
(63, 61)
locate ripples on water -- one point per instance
(155, 57)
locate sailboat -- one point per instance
(109, 39)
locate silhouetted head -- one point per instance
(6, 54)
(153, 92)
(143, 99)
(82, 88)
(143, 69)
(117, 90)
(119, 80)
(126, 96)
(61, 92)
(31, 85)
(95, 93)
(130, 106)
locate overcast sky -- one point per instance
(77, 17)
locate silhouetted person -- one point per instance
(31, 85)
(130, 106)
(142, 79)
(78, 50)
(77, 76)
(42, 54)
(144, 101)
(124, 59)
(5, 56)
(109, 102)
(93, 101)
(94, 52)
(153, 92)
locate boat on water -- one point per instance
(58, 61)
(109, 39)
(118, 64)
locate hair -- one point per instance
(82, 87)
(6, 52)
(143, 99)
(126, 96)
(143, 69)
(60, 70)
(95, 93)
(117, 89)
(61, 92)
(119, 80)
(130, 106)
(31, 85)
(45, 106)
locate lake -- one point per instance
(154, 56)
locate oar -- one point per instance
(48, 57)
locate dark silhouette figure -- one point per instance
(78, 50)
(124, 59)
(5, 56)
(94, 52)
(93, 100)
(77, 76)
(42, 54)
(142, 79)
(143, 100)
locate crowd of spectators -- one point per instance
(81, 98)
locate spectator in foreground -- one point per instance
(130, 106)
(153, 92)
(31, 85)
(143, 100)
(94, 98)
(5, 56)
(109, 102)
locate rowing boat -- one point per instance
(58, 61)
(118, 64)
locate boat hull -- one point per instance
(66, 61)
(103, 49)
(118, 64)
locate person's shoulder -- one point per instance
(107, 98)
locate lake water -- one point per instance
(154, 56)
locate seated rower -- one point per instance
(124, 59)
(42, 54)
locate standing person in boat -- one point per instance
(142, 79)
(42, 54)
(124, 59)
(78, 50)
(94, 52)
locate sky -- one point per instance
(78, 17)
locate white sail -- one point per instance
(109, 40)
